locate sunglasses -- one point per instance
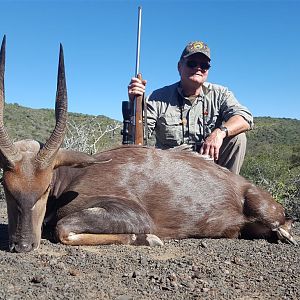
(202, 65)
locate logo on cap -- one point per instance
(196, 46)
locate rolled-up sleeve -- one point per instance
(231, 107)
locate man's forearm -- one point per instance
(235, 125)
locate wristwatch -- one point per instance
(225, 129)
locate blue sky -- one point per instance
(255, 48)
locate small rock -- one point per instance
(135, 274)
(143, 261)
(197, 274)
(190, 285)
(59, 265)
(37, 279)
(124, 297)
(238, 261)
(203, 244)
(260, 278)
(172, 277)
(74, 272)
(195, 268)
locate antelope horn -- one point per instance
(8, 152)
(47, 154)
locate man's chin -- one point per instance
(197, 79)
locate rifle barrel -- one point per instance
(138, 41)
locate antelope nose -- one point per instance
(23, 247)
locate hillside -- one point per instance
(276, 140)
(272, 159)
(26, 123)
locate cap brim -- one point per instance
(190, 54)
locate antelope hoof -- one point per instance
(153, 240)
(285, 236)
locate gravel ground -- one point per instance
(185, 269)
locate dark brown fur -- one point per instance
(166, 193)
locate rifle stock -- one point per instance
(133, 121)
(139, 124)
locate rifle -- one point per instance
(133, 123)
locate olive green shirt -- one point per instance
(176, 119)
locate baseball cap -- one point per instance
(195, 47)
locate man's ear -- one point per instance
(179, 66)
(75, 159)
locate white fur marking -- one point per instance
(275, 225)
(72, 236)
(95, 209)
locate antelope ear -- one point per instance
(75, 159)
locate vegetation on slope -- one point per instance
(37, 124)
(273, 159)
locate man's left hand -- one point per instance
(213, 143)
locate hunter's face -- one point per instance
(193, 70)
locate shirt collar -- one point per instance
(206, 88)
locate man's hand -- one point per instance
(213, 143)
(211, 146)
(136, 87)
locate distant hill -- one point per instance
(272, 159)
(276, 140)
(271, 132)
(27, 123)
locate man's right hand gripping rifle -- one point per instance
(136, 87)
(134, 113)
(138, 102)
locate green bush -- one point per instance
(273, 160)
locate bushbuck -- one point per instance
(128, 195)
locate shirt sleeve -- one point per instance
(231, 107)
(152, 115)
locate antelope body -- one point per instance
(130, 195)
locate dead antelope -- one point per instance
(128, 195)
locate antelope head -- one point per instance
(28, 168)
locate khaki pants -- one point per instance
(232, 153)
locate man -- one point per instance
(193, 111)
